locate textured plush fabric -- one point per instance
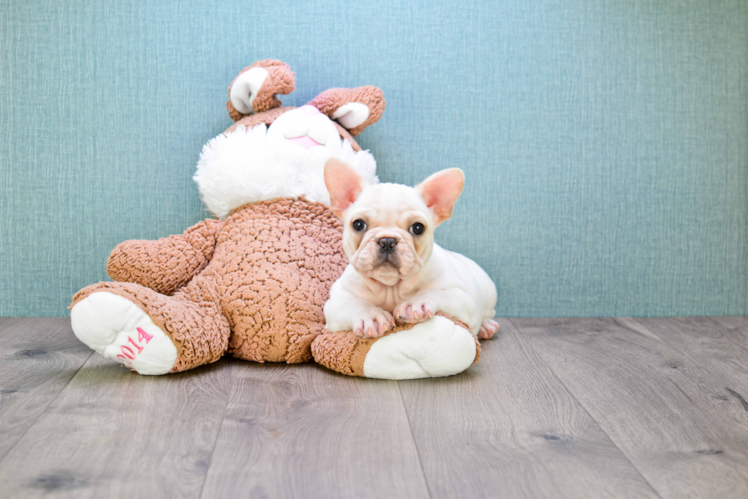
(280, 80)
(345, 353)
(261, 296)
(253, 283)
(252, 286)
(605, 143)
(167, 264)
(192, 318)
(332, 99)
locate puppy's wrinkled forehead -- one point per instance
(387, 204)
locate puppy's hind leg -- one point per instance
(488, 329)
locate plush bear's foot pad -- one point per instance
(434, 348)
(119, 330)
(438, 347)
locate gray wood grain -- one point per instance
(544, 413)
(38, 357)
(717, 348)
(674, 420)
(113, 433)
(509, 428)
(304, 431)
(737, 327)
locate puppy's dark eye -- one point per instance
(417, 228)
(359, 225)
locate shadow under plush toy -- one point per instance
(252, 283)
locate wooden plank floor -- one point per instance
(622, 407)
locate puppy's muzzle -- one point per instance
(387, 245)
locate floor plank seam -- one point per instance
(45, 409)
(218, 434)
(672, 346)
(694, 360)
(571, 393)
(415, 442)
(671, 391)
(661, 339)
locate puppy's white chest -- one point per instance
(389, 297)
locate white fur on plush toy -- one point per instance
(257, 164)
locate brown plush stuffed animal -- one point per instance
(253, 282)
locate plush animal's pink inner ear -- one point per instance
(440, 192)
(343, 184)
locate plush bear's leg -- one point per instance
(435, 348)
(118, 329)
(149, 332)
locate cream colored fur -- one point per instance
(414, 278)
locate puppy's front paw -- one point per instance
(373, 323)
(415, 311)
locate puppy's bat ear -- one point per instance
(440, 192)
(343, 184)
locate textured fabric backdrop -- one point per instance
(605, 142)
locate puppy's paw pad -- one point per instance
(373, 324)
(488, 329)
(415, 311)
(119, 330)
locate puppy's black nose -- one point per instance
(387, 244)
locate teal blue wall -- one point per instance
(605, 142)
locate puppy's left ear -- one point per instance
(440, 192)
(343, 184)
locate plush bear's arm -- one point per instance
(167, 264)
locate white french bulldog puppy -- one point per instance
(396, 272)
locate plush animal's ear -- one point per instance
(355, 109)
(343, 184)
(254, 89)
(440, 192)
